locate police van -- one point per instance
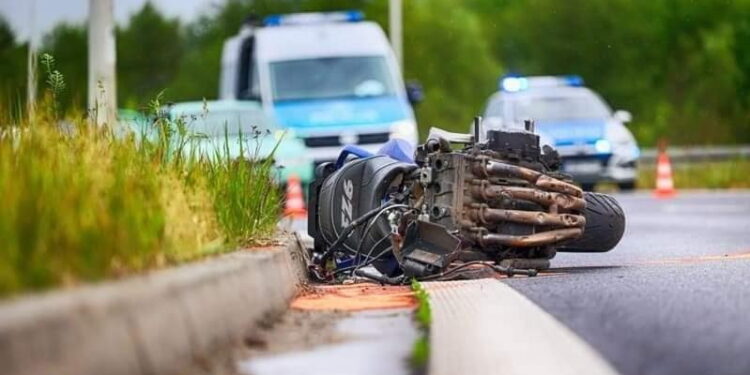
(592, 140)
(332, 79)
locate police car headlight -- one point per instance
(405, 129)
(603, 146)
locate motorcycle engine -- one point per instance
(499, 200)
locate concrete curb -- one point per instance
(485, 327)
(165, 322)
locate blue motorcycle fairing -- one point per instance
(396, 148)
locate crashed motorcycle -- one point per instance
(457, 206)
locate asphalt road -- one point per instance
(672, 298)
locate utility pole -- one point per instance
(102, 88)
(31, 64)
(395, 33)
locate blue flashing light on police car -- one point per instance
(313, 18)
(592, 140)
(512, 83)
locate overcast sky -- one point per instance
(48, 13)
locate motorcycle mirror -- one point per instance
(414, 92)
(622, 116)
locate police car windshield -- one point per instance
(333, 77)
(549, 108)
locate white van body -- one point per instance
(307, 74)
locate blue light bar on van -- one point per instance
(313, 18)
(515, 84)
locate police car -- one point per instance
(593, 142)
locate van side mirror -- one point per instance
(414, 92)
(622, 116)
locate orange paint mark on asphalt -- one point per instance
(367, 296)
(705, 258)
(355, 297)
(745, 255)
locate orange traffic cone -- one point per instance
(295, 202)
(664, 181)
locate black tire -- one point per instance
(626, 185)
(605, 224)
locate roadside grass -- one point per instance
(421, 348)
(423, 313)
(728, 174)
(246, 201)
(82, 203)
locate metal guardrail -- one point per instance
(689, 154)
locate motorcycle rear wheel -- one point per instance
(605, 225)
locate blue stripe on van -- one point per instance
(337, 112)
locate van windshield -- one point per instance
(560, 108)
(332, 77)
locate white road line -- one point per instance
(486, 327)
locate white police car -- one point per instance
(593, 141)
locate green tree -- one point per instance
(149, 50)
(676, 64)
(68, 44)
(445, 50)
(12, 73)
(702, 76)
